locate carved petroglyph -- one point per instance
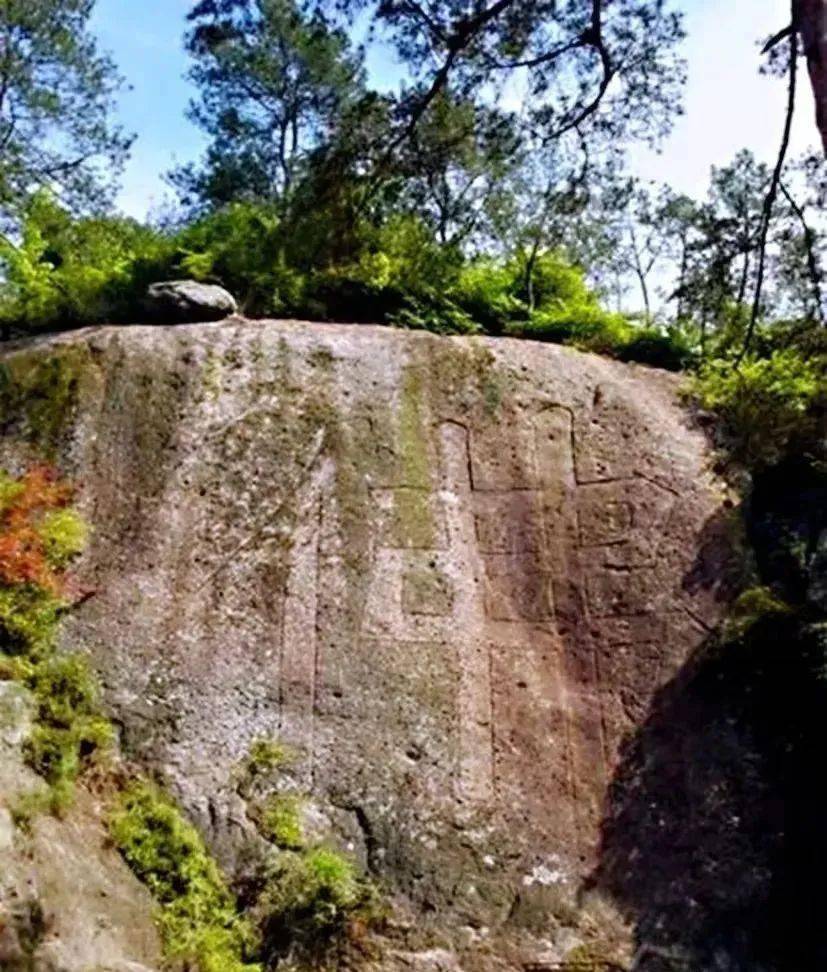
(453, 574)
(485, 589)
(300, 637)
(512, 566)
(476, 770)
(435, 595)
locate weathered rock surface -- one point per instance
(188, 301)
(450, 573)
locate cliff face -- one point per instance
(450, 574)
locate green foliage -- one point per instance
(69, 271)
(58, 91)
(28, 619)
(672, 348)
(69, 730)
(274, 82)
(242, 246)
(66, 271)
(309, 899)
(265, 756)
(10, 490)
(752, 606)
(64, 534)
(304, 896)
(280, 821)
(768, 406)
(198, 917)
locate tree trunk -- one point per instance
(812, 22)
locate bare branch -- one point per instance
(776, 38)
(772, 193)
(809, 242)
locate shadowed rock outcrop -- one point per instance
(451, 574)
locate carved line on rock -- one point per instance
(475, 713)
(300, 658)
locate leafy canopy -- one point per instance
(57, 92)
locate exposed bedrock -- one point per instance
(451, 574)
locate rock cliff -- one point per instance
(450, 574)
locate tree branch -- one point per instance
(776, 38)
(809, 242)
(772, 193)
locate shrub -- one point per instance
(307, 900)
(751, 606)
(280, 821)
(672, 348)
(768, 406)
(198, 917)
(485, 291)
(242, 247)
(39, 535)
(268, 754)
(68, 272)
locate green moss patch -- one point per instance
(39, 391)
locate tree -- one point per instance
(56, 95)
(645, 238)
(274, 84)
(453, 165)
(605, 64)
(811, 16)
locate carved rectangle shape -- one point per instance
(426, 590)
(508, 523)
(409, 519)
(622, 593)
(517, 588)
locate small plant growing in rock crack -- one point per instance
(308, 899)
(279, 821)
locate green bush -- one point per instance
(485, 289)
(304, 896)
(67, 272)
(242, 247)
(70, 272)
(198, 916)
(308, 899)
(768, 406)
(280, 821)
(64, 535)
(672, 349)
(69, 729)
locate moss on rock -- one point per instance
(39, 392)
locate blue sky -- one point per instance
(729, 106)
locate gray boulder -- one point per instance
(188, 302)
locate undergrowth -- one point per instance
(69, 272)
(308, 898)
(199, 918)
(39, 535)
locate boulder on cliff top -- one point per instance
(188, 302)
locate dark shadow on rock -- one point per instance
(714, 841)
